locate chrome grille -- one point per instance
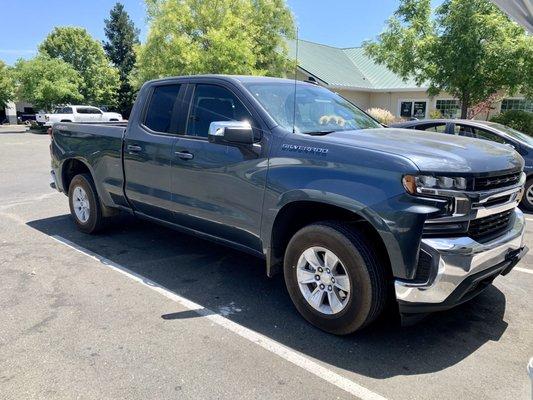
(494, 182)
(483, 228)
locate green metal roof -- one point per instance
(350, 68)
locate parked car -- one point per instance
(357, 216)
(77, 114)
(485, 130)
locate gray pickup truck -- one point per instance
(359, 218)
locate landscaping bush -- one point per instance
(435, 114)
(383, 116)
(520, 120)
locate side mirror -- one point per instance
(512, 146)
(230, 132)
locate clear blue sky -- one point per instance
(24, 24)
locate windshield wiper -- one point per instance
(318, 133)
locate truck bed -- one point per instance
(99, 146)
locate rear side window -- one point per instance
(213, 103)
(441, 128)
(161, 108)
(469, 131)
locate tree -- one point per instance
(6, 85)
(46, 82)
(86, 55)
(470, 49)
(225, 36)
(122, 37)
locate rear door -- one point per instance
(148, 150)
(218, 189)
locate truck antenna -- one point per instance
(295, 83)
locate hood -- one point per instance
(434, 152)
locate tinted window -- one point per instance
(161, 108)
(83, 110)
(432, 128)
(214, 103)
(469, 131)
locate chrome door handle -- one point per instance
(133, 148)
(184, 155)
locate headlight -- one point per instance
(428, 184)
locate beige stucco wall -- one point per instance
(360, 99)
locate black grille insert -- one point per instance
(492, 225)
(494, 182)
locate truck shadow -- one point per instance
(234, 284)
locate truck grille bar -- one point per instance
(492, 225)
(494, 182)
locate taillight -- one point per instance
(50, 133)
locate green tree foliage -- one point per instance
(86, 55)
(6, 84)
(46, 82)
(122, 36)
(470, 49)
(520, 120)
(222, 36)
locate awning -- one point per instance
(519, 10)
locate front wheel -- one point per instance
(85, 204)
(334, 278)
(527, 200)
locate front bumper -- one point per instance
(461, 268)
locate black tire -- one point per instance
(526, 204)
(367, 275)
(96, 221)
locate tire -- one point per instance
(527, 201)
(92, 220)
(366, 276)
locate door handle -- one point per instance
(184, 155)
(133, 148)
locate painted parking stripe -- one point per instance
(261, 340)
(527, 271)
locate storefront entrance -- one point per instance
(413, 109)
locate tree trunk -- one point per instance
(464, 106)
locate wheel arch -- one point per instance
(294, 215)
(70, 168)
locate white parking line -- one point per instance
(527, 271)
(253, 336)
(529, 219)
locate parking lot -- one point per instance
(141, 311)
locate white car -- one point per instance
(77, 114)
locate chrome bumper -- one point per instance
(53, 180)
(457, 259)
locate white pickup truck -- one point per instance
(77, 114)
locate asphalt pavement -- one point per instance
(142, 311)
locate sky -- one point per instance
(25, 24)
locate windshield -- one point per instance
(513, 133)
(317, 109)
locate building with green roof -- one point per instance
(355, 76)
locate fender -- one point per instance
(401, 238)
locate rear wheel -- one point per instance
(527, 200)
(334, 278)
(84, 204)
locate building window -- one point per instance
(517, 104)
(413, 109)
(448, 108)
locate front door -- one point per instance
(148, 152)
(218, 189)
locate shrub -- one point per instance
(383, 116)
(520, 120)
(435, 114)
